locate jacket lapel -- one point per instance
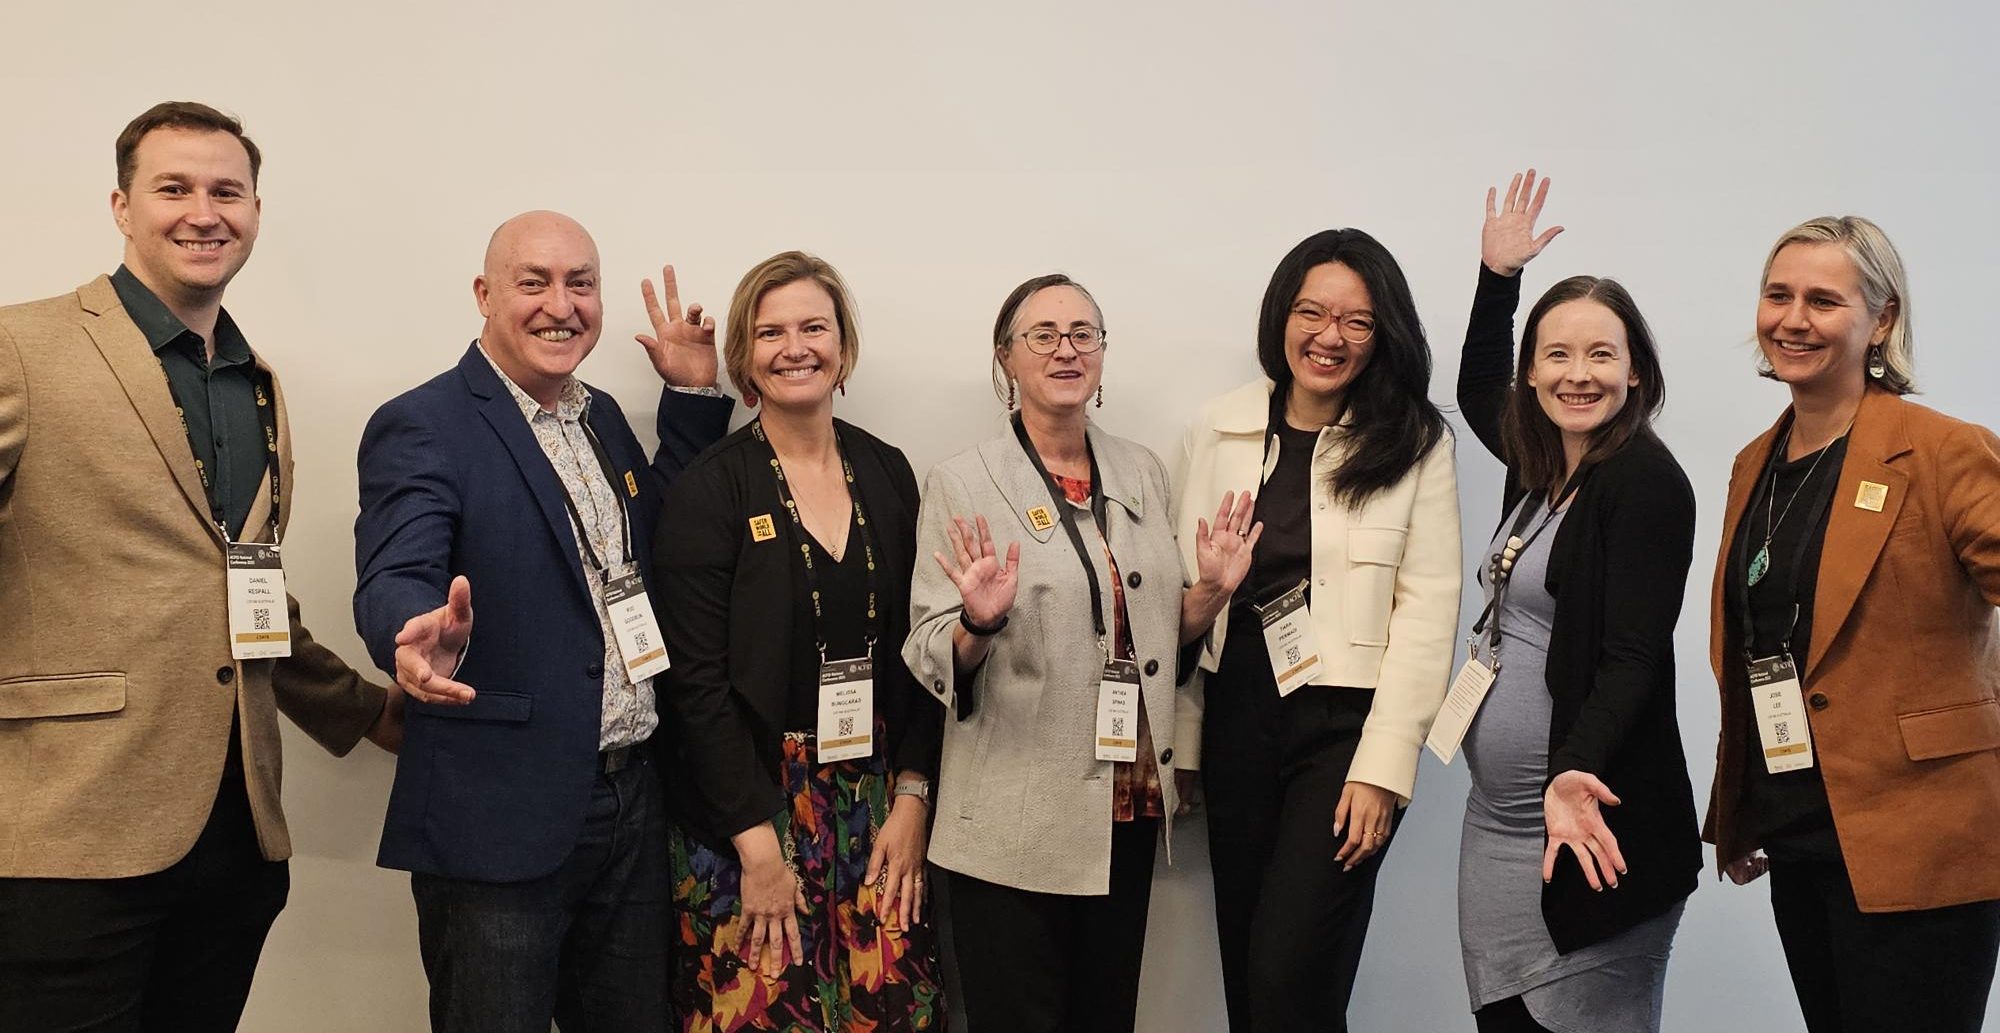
(1855, 536)
(1742, 481)
(1020, 485)
(504, 417)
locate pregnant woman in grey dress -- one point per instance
(1580, 845)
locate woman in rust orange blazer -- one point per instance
(1855, 643)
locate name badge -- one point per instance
(640, 644)
(1781, 714)
(1118, 711)
(846, 709)
(1288, 637)
(1461, 705)
(260, 624)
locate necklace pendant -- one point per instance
(1759, 564)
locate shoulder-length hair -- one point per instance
(1532, 440)
(1395, 424)
(779, 270)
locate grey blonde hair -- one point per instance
(1882, 282)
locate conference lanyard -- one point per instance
(582, 528)
(1822, 502)
(874, 628)
(1500, 567)
(267, 415)
(1066, 508)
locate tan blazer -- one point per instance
(1903, 682)
(116, 684)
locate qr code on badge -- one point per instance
(846, 726)
(262, 618)
(1292, 655)
(1118, 728)
(1782, 732)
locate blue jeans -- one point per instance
(585, 945)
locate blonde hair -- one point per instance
(784, 268)
(1883, 282)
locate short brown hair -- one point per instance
(786, 267)
(179, 114)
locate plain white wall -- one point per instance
(1166, 154)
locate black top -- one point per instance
(1788, 814)
(843, 588)
(217, 399)
(1284, 504)
(1618, 570)
(730, 589)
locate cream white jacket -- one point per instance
(1385, 589)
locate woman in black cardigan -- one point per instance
(1575, 747)
(803, 747)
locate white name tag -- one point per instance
(1461, 705)
(640, 644)
(1288, 636)
(1781, 714)
(260, 624)
(846, 709)
(1118, 711)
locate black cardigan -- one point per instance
(1617, 569)
(726, 611)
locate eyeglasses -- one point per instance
(1355, 328)
(1043, 340)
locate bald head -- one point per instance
(539, 294)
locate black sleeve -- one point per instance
(694, 563)
(1648, 527)
(1486, 365)
(921, 742)
(687, 424)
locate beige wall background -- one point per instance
(1165, 153)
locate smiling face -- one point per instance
(190, 215)
(540, 297)
(1813, 322)
(1582, 370)
(795, 340)
(1323, 363)
(1062, 381)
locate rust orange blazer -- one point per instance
(1905, 653)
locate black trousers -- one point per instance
(1507, 1016)
(174, 950)
(1053, 963)
(1290, 923)
(1853, 972)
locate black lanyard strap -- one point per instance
(1065, 509)
(267, 415)
(610, 479)
(1822, 503)
(874, 625)
(1500, 566)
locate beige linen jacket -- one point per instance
(116, 683)
(1386, 580)
(1022, 800)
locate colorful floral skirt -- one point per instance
(861, 976)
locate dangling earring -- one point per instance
(1100, 396)
(1010, 394)
(1877, 369)
(842, 388)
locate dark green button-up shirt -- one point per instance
(218, 399)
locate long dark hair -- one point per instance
(1532, 440)
(1395, 423)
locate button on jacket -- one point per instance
(1022, 800)
(1385, 580)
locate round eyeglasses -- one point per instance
(1355, 327)
(1044, 340)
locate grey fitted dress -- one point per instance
(1616, 984)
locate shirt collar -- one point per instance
(571, 406)
(162, 328)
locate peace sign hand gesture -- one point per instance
(682, 347)
(986, 586)
(1508, 241)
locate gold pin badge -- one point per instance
(762, 529)
(1040, 518)
(631, 484)
(1871, 496)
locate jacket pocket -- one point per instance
(508, 707)
(1373, 555)
(1950, 731)
(64, 695)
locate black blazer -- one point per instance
(726, 611)
(1618, 570)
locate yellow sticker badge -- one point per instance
(1040, 518)
(631, 484)
(762, 529)
(1871, 496)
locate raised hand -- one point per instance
(1573, 809)
(986, 586)
(1507, 241)
(682, 347)
(1222, 550)
(428, 648)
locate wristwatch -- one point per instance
(917, 787)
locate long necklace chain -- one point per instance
(1760, 564)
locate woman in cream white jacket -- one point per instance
(1323, 674)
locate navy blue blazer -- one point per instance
(453, 482)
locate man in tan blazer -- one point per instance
(142, 847)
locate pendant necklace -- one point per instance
(1760, 564)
